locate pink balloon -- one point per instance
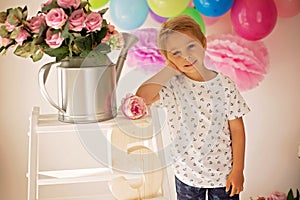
(253, 20)
(287, 8)
(209, 20)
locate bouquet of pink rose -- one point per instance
(62, 28)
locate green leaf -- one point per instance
(15, 16)
(25, 13)
(83, 4)
(24, 51)
(41, 34)
(298, 195)
(84, 54)
(39, 40)
(65, 33)
(46, 8)
(37, 56)
(290, 195)
(99, 35)
(71, 40)
(103, 11)
(84, 43)
(15, 33)
(2, 50)
(3, 17)
(60, 52)
(3, 32)
(103, 48)
(24, 22)
(55, 31)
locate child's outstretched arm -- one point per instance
(149, 90)
(236, 177)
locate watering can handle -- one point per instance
(43, 75)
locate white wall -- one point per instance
(273, 128)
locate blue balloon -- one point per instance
(128, 14)
(213, 8)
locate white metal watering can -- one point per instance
(87, 86)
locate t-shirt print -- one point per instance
(198, 114)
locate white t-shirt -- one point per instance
(198, 114)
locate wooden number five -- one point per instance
(130, 156)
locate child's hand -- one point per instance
(235, 180)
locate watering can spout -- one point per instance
(129, 41)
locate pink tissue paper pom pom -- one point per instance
(145, 54)
(134, 107)
(245, 62)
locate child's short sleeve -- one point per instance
(237, 105)
(167, 97)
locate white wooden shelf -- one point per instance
(80, 176)
(47, 124)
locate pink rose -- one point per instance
(110, 32)
(105, 39)
(36, 22)
(93, 22)
(77, 20)
(53, 40)
(134, 107)
(9, 27)
(4, 41)
(68, 3)
(56, 18)
(277, 196)
(110, 28)
(22, 36)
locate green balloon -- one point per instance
(193, 13)
(96, 4)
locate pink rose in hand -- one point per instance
(277, 196)
(68, 3)
(9, 26)
(134, 107)
(22, 36)
(93, 22)
(36, 22)
(4, 41)
(56, 18)
(53, 40)
(77, 20)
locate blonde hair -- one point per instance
(182, 24)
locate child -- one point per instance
(204, 115)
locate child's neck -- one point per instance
(202, 75)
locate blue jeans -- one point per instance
(186, 192)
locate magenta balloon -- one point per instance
(287, 8)
(253, 20)
(157, 18)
